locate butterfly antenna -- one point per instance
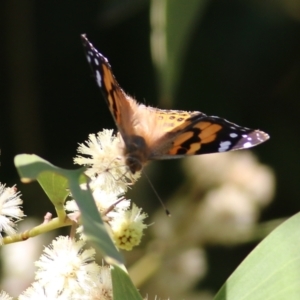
(158, 197)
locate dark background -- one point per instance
(242, 63)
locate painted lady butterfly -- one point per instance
(151, 134)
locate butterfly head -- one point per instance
(135, 152)
(133, 164)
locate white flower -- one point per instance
(225, 215)
(37, 291)
(65, 266)
(106, 162)
(108, 204)
(72, 206)
(5, 296)
(10, 211)
(241, 168)
(105, 200)
(105, 279)
(127, 227)
(103, 290)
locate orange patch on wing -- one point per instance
(114, 97)
(209, 139)
(202, 125)
(173, 150)
(193, 148)
(183, 138)
(107, 78)
(208, 131)
(181, 124)
(116, 112)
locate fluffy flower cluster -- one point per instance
(68, 271)
(110, 179)
(103, 156)
(5, 296)
(10, 211)
(235, 188)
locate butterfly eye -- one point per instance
(133, 164)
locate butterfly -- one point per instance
(153, 134)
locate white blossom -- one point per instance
(5, 296)
(10, 211)
(106, 162)
(127, 227)
(66, 266)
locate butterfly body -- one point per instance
(153, 134)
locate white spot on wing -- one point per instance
(88, 58)
(233, 135)
(247, 145)
(98, 78)
(96, 61)
(259, 137)
(224, 146)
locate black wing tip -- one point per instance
(261, 135)
(87, 44)
(251, 139)
(91, 50)
(85, 40)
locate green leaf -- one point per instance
(32, 167)
(172, 24)
(55, 186)
(272, 269)
(123, 288)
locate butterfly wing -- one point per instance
(202, 134)
(131, 118)
(121, 106)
